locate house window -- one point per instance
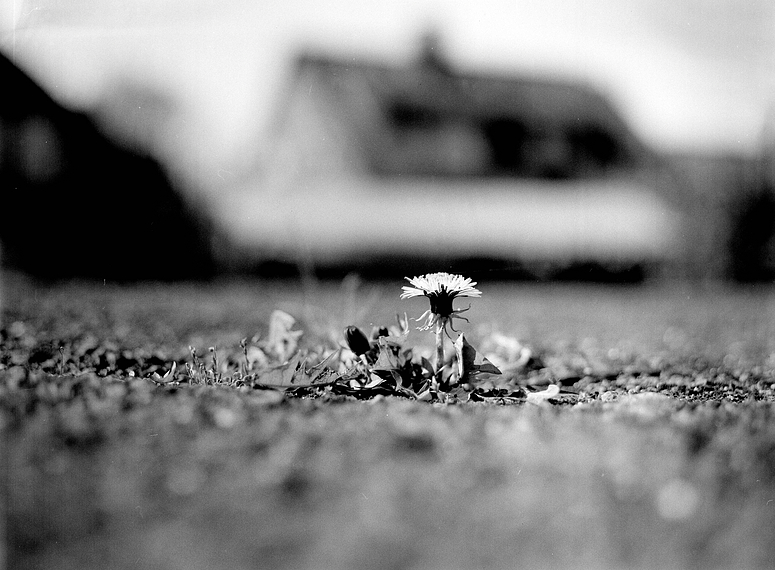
(410, 117)
(595, 146)
(551, 149)
(506, 138)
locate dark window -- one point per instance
(405, 116)
(506, 138)
(550, 150)
(595, 145)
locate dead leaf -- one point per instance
(169, 376)
(542, 397)
(282, 376)
(256, 357)
(507, 352)
(282, 341)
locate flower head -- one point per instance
(441, 289)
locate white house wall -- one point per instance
(311, 143)
(334, 221)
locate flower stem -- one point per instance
(439, 353)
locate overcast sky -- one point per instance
(198, 79)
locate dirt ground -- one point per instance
(660, 453)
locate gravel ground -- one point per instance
(660, 453)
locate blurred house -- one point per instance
(421, 167)
(76, 203)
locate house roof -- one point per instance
(409, 119)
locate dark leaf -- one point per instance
(470, 362)
(427, 366)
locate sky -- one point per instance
(198, 81)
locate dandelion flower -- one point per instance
(441, 289)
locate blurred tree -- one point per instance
(753, 236)
(76, 204)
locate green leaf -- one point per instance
(425, 395)
(470, 362)
(387, 359)
(427, 366)
(315, 372)
(374, 380)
